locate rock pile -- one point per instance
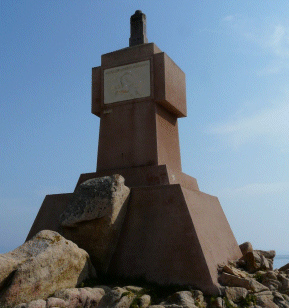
(247, 282)
(252, 279)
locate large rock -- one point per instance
(41, 266)
(94, 217)
(247, 283)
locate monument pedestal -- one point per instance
(174, 235)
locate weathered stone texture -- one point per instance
(117, 298)
(94, 218)
(95, 198)
(181, 299)
(236, 294)
(42, 268)
(247, 283)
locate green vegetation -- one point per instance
(91, 282)
(258, 277)
(136, 302)
(249, 300)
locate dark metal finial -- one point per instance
(138, 33)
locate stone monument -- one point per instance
(172, 232)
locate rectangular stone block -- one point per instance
(169, 85)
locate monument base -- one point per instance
(172, 232)
(146, 176)
(173, 235)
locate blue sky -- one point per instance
(235, 140)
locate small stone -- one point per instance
(97, 291)
(106, 289)
(236, 294)
(219, 303)
(133, 289)
(234, 271)
(199, 298)
(144, 301)
(56, 302)
(91, 297)
(246, 247)
(40, 303)
(182, 298)
(279, 300)
(71, 295)
(256, 261)
(265, 302)
(267, 294)
(267, 254)
(269, 280)
(285, 283)
(117, 298)
(271, 275)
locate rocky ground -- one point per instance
(247, 282)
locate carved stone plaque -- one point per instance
(127, 82)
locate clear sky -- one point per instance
(235, 140)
